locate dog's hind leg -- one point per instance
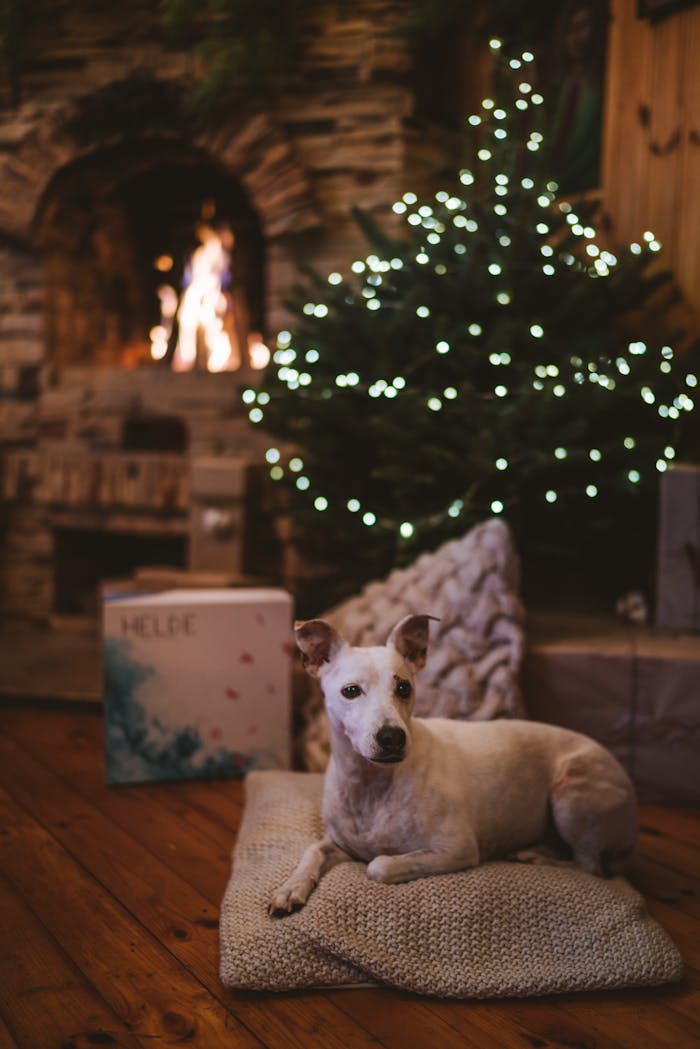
(595, 812)
(317, 860)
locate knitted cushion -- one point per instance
(472, 585)
(501, 929)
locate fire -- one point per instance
(203, 313)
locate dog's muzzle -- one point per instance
(391, 741)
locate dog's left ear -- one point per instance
(410, 639)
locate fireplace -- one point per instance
(122, 429)
(122, 234)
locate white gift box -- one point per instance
(197, 683)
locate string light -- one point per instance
(437, 229)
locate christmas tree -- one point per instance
(492, 359)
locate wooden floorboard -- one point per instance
(110, 908)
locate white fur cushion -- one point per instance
(501, 929)
(472, 585)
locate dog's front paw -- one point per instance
(381, 868)
(290, 897)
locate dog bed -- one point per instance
(502, 929)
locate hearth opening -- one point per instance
(153, 256)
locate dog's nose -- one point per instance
(391, 738)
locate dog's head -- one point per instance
(370, 692)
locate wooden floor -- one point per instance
(109, 925)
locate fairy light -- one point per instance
(369, 518)
(276, 473)
(560, 453)
(474, 329)
(248, 396)
(406, 529)
(303, 483)
(591, 491)
(501, 464)
(634, 476)
(551, 496)
(272, 455)
(353, 505)
(497, 506)
(256, 415)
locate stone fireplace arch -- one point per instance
(253, 148)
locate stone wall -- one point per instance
(104, 96)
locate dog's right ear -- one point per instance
(319, 643)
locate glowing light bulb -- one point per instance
(353, 505)
(406, 530)
(497, 506)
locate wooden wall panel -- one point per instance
(651, 168)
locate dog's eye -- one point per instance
(351, 691)
(403, 689)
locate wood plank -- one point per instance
(42, 994)
(71, 743)
(656, 881)
(661, 840)
(387, 1021)
(6, 1039)
(181, 917)
(138, 978)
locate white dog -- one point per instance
(421, 796)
